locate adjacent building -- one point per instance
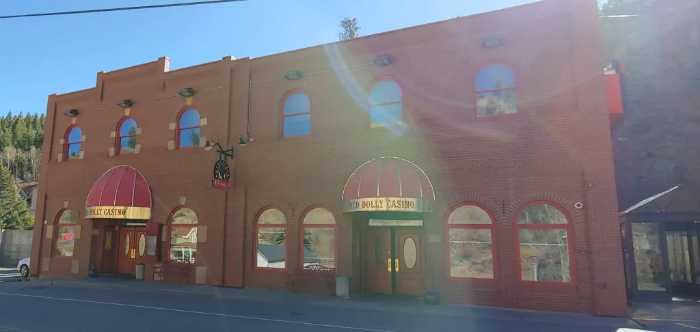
(468, 160)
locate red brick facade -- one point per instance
(556, 148)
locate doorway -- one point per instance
(131, 249)
(394, 261)
(666, 260)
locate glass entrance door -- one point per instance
(683, 255)
(648, 258)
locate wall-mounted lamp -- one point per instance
(71, 113)
(294, 75)
(126, 103)
(383, 60)
(187, 92)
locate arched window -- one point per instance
(470, 238)
(270, 240)
(318, 251)
(543, 243)
(495, 91)
(188, 129)
(68, 229)
(296, 115)
(126, 140)
(385, 105)
(183, 236)
(74, 140)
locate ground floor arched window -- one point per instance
(470, 241)
(183, 236)
(318, 249)
(543, 232)
(67, 233)
(271, 240)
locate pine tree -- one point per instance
(14, 213)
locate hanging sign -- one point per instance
(222, 175)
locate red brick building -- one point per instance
(469, 159)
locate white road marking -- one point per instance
(243, 317)
(688, 326)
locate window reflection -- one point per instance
(188, 130)
(543, 244)
(495, 91)
(319, 240)
(183, 236)
(271, 236)
(470, 243)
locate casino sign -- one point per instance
(388, 184)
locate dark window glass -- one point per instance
(495, 91)
(297, 115)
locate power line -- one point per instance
(115, 9)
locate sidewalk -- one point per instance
(372, 303)
(681, 314)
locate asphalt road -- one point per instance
(115, 306)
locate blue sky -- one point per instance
(60, 54)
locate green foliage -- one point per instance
(21, 137)
(14, 213)
(349, 28)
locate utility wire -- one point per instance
(115, 9)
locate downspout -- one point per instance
(589, 249)
(245, 186)
(228, 143)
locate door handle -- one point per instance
(388, 264)
(396, 265)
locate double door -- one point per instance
(131, 249)
(394, 261)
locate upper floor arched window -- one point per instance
(296, 115)
(318, 251)
(543, 243)
(188, 129)
(385, 106)
(495, 91)
(126, 140)
(73, 142)
(183, 236)
(470, 237)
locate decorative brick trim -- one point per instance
(111, 152)
(137, 149)
(59, 157)
(49, 232)
(202, 122)
(113, 134)
(139, 131)
(182, 200)
(172, 125)
(171, 145)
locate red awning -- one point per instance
(388, 184)
(120, 193)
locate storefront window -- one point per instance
(648, 261)
(470, 239)
(495, 91)
(385, 105)
(183, 236)
(271, 238)
(188, 129)
(127, 136)
(68, 229)
(543, 240)
(297, 115)
(319, 240)
(74, 140)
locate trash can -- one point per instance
(140, 271)
(342, 287)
